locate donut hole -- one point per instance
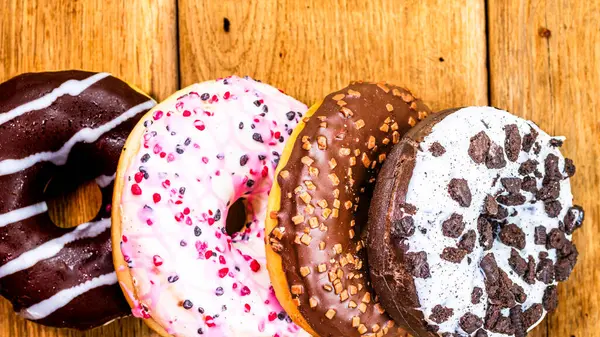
(236, 217)
(69, 206)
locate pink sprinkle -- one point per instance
(156, 198)
(136, 190)
(255, 266)
(211, 221)
(179, 216)
(247, 307)
(199, 125)
(188, 221)
(221, 259)
(234, 286)
(245, 291)
(272, 316)
(209, 321)
(156, 149)
(158, 115)
(145, 314)
(170, 157)
(149, 222)
(226, 95)
(187, 113)
(205, 160)
(223, 272)
(179, 105)
(157, 260)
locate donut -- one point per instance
(192, 158)
(319, 205)
(69, 124)
(470, 225)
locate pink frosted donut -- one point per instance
(185, 164)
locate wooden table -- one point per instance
(539, 59)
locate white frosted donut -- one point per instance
(193, 156)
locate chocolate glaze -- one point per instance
(397, 286)
(367, 118)
(49, 129)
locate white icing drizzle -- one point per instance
(23, 213)
(451, 284)
(104, 181)
(70, 87)
(87, 135)
(48, 306)
(52, 247)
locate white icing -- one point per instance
(70, 87)
(104, 181)
(52, 247)
(48, 306)
(211, 183)
(87, 135)
(451, 284)
(23, 213)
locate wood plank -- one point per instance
(545, 66)
(310, 48)
(134, 40)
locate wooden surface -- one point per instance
(450, 53)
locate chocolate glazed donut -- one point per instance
(319, 205)
(68, 125)
(471, 219)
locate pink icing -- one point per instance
(218, 142)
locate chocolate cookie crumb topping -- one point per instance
(453, 254)
(476, 295)
(529, 184)
(550, 299)
(453, 226)
(529, 139)
(527, 167)
(481, 333)
(479, 147)
(418, 265)
(532, 315)
(512, 144)
(490, 205)
(437, 149)
(512, 199)
(512, 235)
(486, 238)
(517, 263)
(539, 237)
(459, 191)
(569, 167)
(516, 318)
(512, 185)
(467, 241)
(545, 271)
(552, 208)
(440, 314)
(403, 228)
(530, 273)
(470, 323)
(495, 157)
(573, 219)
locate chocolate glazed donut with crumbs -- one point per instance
(318, 208)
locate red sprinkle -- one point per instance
(245, 291)
(211, 221)
(179, 216)
(166, 183)
(199, 125)
(223, 272)
(135, 189)
(124, 238)
(221, 259)
(247, 307)
(186, 211)
(149, 222)
(158, 115)
(157, 260)
(255, 266)
(226, 95)
(208, 254)
(272, 316)
(187, 113)
(209, 321)
(138, 177)
(156, 198)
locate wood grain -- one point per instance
(134, 40)
(545, 66)
(436, 48)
